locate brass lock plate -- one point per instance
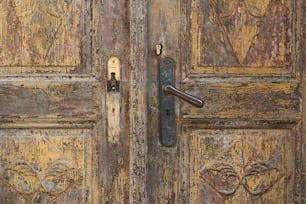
(113, 74)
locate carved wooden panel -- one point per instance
(241, 165)
(43, 35)
(45, 165)
(246, 36)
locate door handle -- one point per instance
(167, 93)
(169, 89)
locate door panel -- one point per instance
(46, 98)
(220, 27)
(244, 100)
(58, 45)
(243, 58)
(54, 138)
(46, 165)
(239, 165)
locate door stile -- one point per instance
(114, 149)
(138, 102)
(302, 64)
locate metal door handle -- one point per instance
(167, 101)
(169, 89)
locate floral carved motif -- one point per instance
(43, 166)
(41, 32)
(257, 176)
(225, 180)
(243, 33)
(241, 22)
(30, 180)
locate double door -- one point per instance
(73, 132)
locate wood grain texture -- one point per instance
(138, 129)
(113, 40)
(239, 166)
(162, 173)
(244, 100)
(47, 88)
(247, 68)
(46, 166)
(236, 37)
(302, 63)
(50, 99)
(62, 40)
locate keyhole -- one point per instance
(158, 49)
(167, 112)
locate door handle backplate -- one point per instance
(167, 93)
(167, 103)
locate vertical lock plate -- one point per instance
(113, 100)
(167, 103)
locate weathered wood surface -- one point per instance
(51, 99)
(162, 168)
(240, 165)
(113, 41)
(43, 34)
(46, 165)
(302, 60)
(246, 100)
(228, 35)
(243, 58)
(138, 109)
(55, 147)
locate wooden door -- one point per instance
(244, 58)
(55, 141)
